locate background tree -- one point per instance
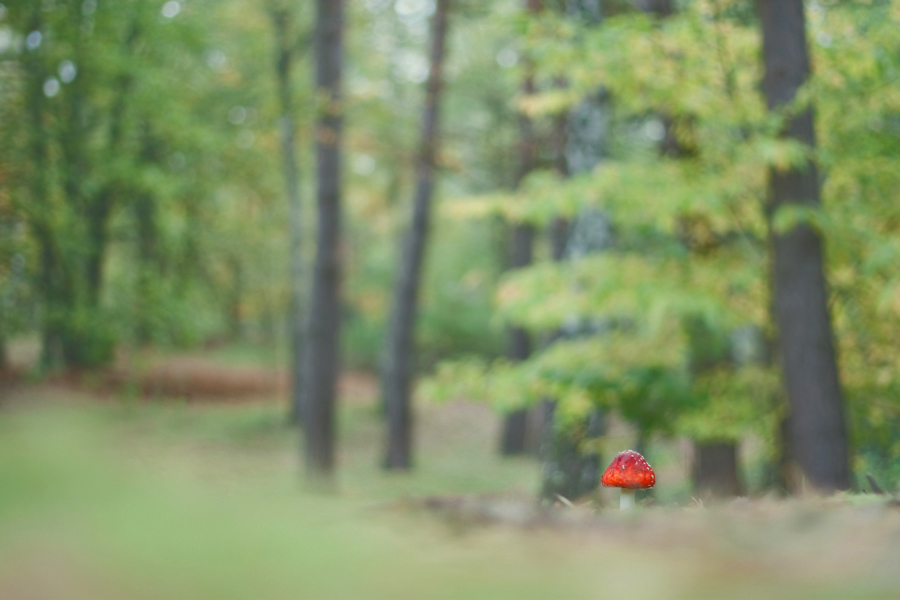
(396, 378)
(514, 438)
(287, 46)
(323, 354)
(570, 453)
(818, 435)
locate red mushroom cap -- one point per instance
(629, 470)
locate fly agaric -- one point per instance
(629, 471)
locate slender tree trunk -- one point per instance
(145, 216)
(514, 438)
(400, 340)
(322, 361)
(235, 318)
(48, 270)
(284, 55)
(93, 344)
(145, 211)
(817, 424)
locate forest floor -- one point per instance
(127, 488)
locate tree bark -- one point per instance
(39, 211)
(570, 461)
(715, 470)
(660, 8)
(149, 269)
(570, 467)
(400, 341)
(322, 361)
(817, 424)
(284, 55)
(514, 438)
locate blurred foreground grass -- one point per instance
(139, 500)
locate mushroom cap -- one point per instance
(629, 470)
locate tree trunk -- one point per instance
(570, 465)
(780, 470)
(235, 318)
(570, 460)
(145, 210)
(817, 425)
(284, 55)
(149, 268)
(39, 219)
(715, 470)
(400, 340)
(322, 361)
(660, 8)
(514, 434)
(514, 438)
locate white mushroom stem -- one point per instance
(626, 499)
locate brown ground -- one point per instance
(185, 377)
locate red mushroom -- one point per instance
(629, 471)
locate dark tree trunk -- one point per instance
(559, 238)
(570, 460)
(715, 469)
(99, 208)
(322, 360)
(778, 475)
(570, 466)
(514, 434)
(514, 439)
(235, 318)
(661, 8)
(716, 472)
(149, 261)
(50, 267)
(817, 425)
(400, 340)
(148, 267)
(285, 49)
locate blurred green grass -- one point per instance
(151, 500)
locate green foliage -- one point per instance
(177, 144)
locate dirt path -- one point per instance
(183, 377)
